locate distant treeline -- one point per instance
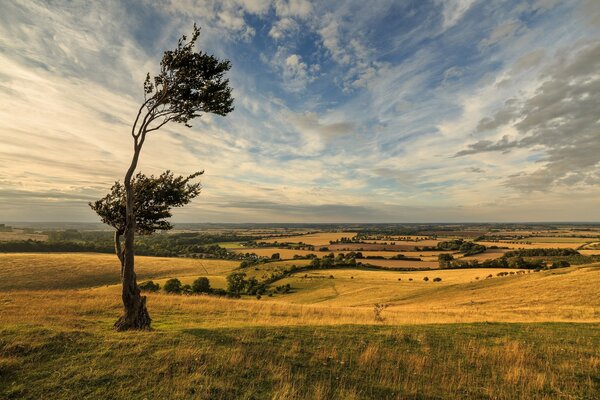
(197, 245)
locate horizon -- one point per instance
(345, 112)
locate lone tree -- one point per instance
(189, 83)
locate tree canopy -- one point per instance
(154, 197)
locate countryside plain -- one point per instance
(334, 312)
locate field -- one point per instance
(471, 333)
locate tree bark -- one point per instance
(135, 316)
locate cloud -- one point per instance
(560, 117)
(282, 28)
(295, 73)
(293, 8)
(453, 10)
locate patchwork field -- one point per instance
(315, 239)
(339, 333)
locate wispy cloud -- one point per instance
(345, 110)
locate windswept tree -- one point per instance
(189, 83)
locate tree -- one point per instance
(444, 259)
(236, 283)
(201, 285)
(189, 83)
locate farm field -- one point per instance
(537, 245)
(495, 325)
(400, 263)
(314, 239)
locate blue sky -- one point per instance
(345, 111)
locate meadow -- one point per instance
(339, 333)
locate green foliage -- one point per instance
(190, 83)
(149, 286)
(201, 285)
(552, 252)
(463, 246)
(236, 283)
(444, 259)
(173, 286)
(154, 199)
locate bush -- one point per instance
(173, 286)
(201, 285)
(437, 279)
(426, 279)
(186, 289)
(149, 287)
(219, 292)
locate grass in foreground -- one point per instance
(60, 344)
(501, 361)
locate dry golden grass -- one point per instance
(40, 271)
(320, 342)
(569, 296)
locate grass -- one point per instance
(43, 271)
(459, 339)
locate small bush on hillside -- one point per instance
(201, 285)
(426, 279)
(437, 279)
(219, 292)
(172, 286)
(149, 286)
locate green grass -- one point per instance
(503, 361)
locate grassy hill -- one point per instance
(517, 336)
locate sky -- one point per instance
(345, 111)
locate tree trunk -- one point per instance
(135, 316)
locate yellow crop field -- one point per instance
(489, 254)
(315, 239)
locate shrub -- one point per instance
(437, 279)
(219, 292)
(149, 287)
(186, 289)
(201, 285)
(426, 279)
(172, 286)
(275, 256)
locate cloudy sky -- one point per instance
(357, 111)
